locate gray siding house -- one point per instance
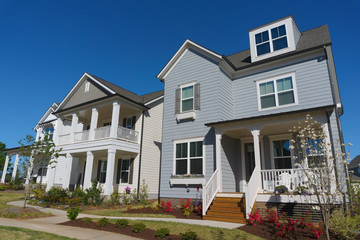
(227, 118)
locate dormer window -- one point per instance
(278, 40)
(262, 43)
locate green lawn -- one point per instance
(25, 234)
(8, 197)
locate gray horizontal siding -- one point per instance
(231, 164)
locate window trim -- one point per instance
(193, 97)
(274, 79)
(120, 167)
(277, 138)
(271, 39)
(87, 87)
(189, 140)
(104, 172)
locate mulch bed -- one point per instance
(267, 231)
(176, 213)
(147, 234)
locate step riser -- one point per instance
(232, 205)
(227, 209)
(233, 220)
(225, 214)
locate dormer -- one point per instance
(273, 39)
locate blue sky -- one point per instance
(46, 46)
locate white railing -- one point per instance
(291, 178)
(64, 139)
(102, 132)
(210, 190)
(252, 189)
(81, 136)
(128, 134)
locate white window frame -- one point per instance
(188, 141)
(121, 160)
(271, 39)
(273, 79)
(277, 138)
(193, 97)
(102, 161)
(268, 41)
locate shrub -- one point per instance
(56, 196)
(281, 189)
(39, 192)
(189, 235)
(16, 184)
(143, 193)
(125, 198)
(255, 218)
(198, 207)
(162, 232)
(121, 223)
(272, 216)
(133, 196)
(86, 220)
(344, 226)
(138, 227)
(102, 222)
(4, 187)
(186, 206)
(166, 206)
(93, 194)
(72, 213)
(115, 198)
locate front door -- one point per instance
(249, 160)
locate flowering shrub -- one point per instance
(166, 206)
(272, 216)
(255, 218)
(186, 206)
(281, 189)
(198, 207)
(127, 189)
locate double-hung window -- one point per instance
(315, 152)
(266, 45)
(123, 171)
(276, 92)
(262, 43)
(282, 154)
(102, 171)
(187, 98)
(129, 122)
(189, 157)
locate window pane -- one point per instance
(278, 32)
(268, 101)
(187, 92)
(125, 164)
(284, 84)
(282, 30)
(277, 148)
(314, 146)
(286, 98)
(196, 149)
(258, 38)
(103, 166)
(124, 177)
(266, 88)
(280, 43)
(283, 163)
(196, 166)
(102, 177)
(181, 150)
(285, 147)
(274, 33)
(316, 161)
(187, 105)
(262, 37)
(263, 48)
(181, 166)
(281, 148)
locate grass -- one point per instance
(22, 234)
(8, 197)
(119, 213)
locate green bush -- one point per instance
(72, 213)
(39, 192)
(138, 227)
(115, 198)
(121, 223)
(16, 184)
(344, 226)
(56, 196)
(86, 220)
(162, 232)
(93, 195)
(102, 222)
(4, 187)
(189, 236)
(143, 193)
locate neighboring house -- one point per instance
(226, 118)
(354, 168)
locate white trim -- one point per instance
(274, 79)
(49, 111)
(286, 136)
(245, 140)
(180, 53)
(186, 115)
(154, 100)
(188, 181)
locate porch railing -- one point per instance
(128, 134)
(210, 190)
(81, 136)
(252, 189)
(64, 138)
(102, 132)
(291, 178)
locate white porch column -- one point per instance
(69, 160)
(6, 164)
(109, 182)
(50, 175)
(15, 167)
(218, 146)
(57, 130)
(115, 119)
(74, 123)
(256, 134)
(38, 133)
(88, 170)
(93, 123)
(329, 155)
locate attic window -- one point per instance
(87, 87)
(278, 40)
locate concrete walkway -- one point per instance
(50, 224)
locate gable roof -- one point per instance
(355, 162)
(49, 111)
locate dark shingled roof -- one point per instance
(128, 94)
(354, 166)
(311, 39)
(355, 162)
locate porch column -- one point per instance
(218, 136)
(69, 160)
(38, 133)
(256, 134)
(115, 120)
(93, 123)
(328, 154)
(57, 130)
(88, 170)
(50, 175)
(6, 164)
(109, 182)
(15, 167)
(74, 123)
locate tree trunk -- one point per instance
(27, 191)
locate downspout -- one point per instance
(140, 155)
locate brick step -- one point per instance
(212, 212)
(226, 219)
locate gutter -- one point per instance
(140, 155)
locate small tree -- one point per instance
(3, 158)
(37, 154)
(313, 156)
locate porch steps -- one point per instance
(227, 207)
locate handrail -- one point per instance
(210, 190)
(81, 136)
(128, 134)
(252, 189)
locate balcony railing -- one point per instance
(64, 138)
(102, 132)
(128, 134)
(81, 136)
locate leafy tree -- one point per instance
(37, 154)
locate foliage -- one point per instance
(39, 192)
(167, 206)
(4, 187)
(115, 198)
(93, 195)
(302, 190)
(3, 158)
(162, 232)
(272, 216)
(197, 205)
(56, 196)
(122, 223)
(72, 213)
(255, 218)
(281, 189)
(138, 227)
(127, 189)
(102, 222)
(344, 226)
(16, 184)
(133, 196)
(186, 206)
(354, 193)
(189, 235)
(143, 193)
(86, 220)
